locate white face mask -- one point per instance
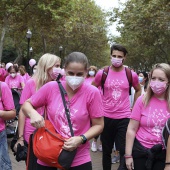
(13, 75)
(91, 73)
(74, 82)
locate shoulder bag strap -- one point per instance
(63, 93)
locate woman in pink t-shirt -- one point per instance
(144, 133)
(92, 70)
(23, 73)
(7, 112)
(14, 80)
(85, 107)
(48, 69)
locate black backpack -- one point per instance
(166, 133)
(106, 71)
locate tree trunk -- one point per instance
(19, 59)
(4, 27)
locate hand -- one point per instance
(37, 120)
(19, 141)
(72, 143)
(167, 167)
(129, 163)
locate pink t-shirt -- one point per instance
(152, 120)
(26, 77)
(28, 91)
(116, 102)
(14, 82)
(89, 80)
(85, 105)
(6, 102)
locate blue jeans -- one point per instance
(5, 163)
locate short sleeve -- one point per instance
(95, 106)
(135, 81)
(40, 98)
(7, 98)
(137, 109)
(21, 79)
(98, 77)
(7, 80)
(28, 91)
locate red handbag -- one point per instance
(47, 144)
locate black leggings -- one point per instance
(86, 166)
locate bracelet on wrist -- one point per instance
(128, 156)
(167, 163)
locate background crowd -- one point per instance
(128, 110)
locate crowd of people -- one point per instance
(124, 109)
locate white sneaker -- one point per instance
(100, 148)
(115, 159)
(94, 146)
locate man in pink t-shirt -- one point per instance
(116, 104)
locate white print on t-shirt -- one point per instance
(13, 83)
(114, 88)
(156, 121)
(62, 122)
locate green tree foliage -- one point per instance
(77, 25)
(145, 31)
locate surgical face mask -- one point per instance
(92, 73)
(13, 75)
(74, 82)
(54, 72)
(140, 79)
(158, 87)
(117, 62)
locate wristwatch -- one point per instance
(83, 138)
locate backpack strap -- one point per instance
(129, 77)
(104, 76)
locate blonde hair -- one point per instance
(45, 63)
(166, 69)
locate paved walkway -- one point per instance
(96, 162)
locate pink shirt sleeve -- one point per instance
(135, 81)
(137, 109)
(95, 106)
(97, 79)
(40, 98)
(21, 79)
(28, 91)
(7, 98)
(7, 80)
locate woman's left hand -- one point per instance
(72, 143)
